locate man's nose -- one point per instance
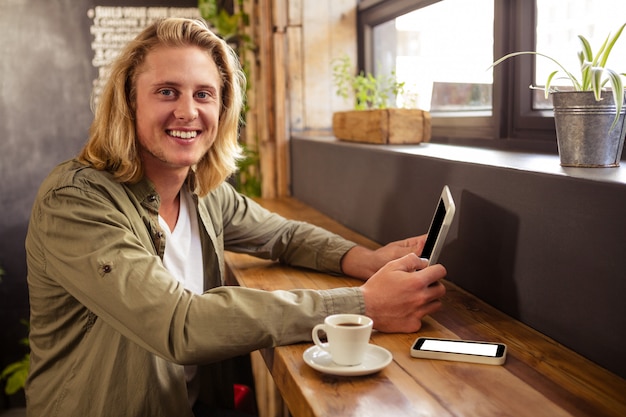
(186, 109)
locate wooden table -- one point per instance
(540, 376)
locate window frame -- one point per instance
(514, 124)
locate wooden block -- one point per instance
(393, 126)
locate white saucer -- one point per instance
(376, 358)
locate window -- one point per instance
(443, 71)
(442, 49)
(558, 26)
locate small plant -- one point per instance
(227, 23)
(593, 72)
(248, 178)
(369, 92)
(17, 372)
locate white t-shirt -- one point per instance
(183, 251)
(183, 259)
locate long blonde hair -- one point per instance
(112, 144)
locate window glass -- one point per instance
(558, 25)
(441, 52)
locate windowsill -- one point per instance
(521, 161)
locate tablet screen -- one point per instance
(438, 230)
(434, 230)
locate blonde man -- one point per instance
(129, 315)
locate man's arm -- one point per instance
(362, 263)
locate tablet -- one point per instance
(438, 230)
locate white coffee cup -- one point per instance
(348, 337)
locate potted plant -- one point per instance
(589, 119)
(373, 120)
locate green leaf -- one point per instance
(587, 51)
(548, 82)
(16, 381)
(586, 80)
(596, 81)
(609, 46)
(601, 52)
(572, 78)
(618, 93)
(15, 375)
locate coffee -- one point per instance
(348, 337)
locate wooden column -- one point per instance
(291, 76)
(280, 97)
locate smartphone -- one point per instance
(459, 350)
(438, 230)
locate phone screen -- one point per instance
(467, 348)
(434, 229)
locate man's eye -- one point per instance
(203, 95)
(166, 92)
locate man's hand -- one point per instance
(402, 292)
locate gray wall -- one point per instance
(45, 82)
(546, 247)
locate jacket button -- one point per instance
(152, 198)
(107, 269)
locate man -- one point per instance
(125, 248)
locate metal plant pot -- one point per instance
(583, 129)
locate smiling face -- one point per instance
(177, 109)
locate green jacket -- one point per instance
(111, 329)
